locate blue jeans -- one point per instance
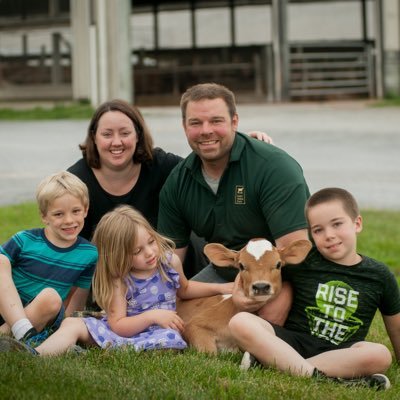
(213, 274)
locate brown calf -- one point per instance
(259, 263)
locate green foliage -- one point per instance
(391, 100)
(125, 374)
(380, 237)
(18, 217)
(80, 110)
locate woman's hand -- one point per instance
(261, 136)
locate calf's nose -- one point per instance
(261, 288)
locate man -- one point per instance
(230, 189)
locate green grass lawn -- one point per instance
(125, 374)
(391, 100)
(83, 110)
(59, 111)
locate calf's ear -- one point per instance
(220, 255)
(296, 252)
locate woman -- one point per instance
(120, 165)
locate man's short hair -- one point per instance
(209, 91)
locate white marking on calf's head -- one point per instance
(258, 247)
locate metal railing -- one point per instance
(326, 70)
(317, 71)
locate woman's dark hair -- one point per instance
(144, 146)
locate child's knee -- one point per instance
(75, 327)
(377, 356)
(51, 300)
(383, 358)
(239, 324)
(69, 322)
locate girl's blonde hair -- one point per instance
(115, 237)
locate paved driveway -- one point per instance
(345, 144)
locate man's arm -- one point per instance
(170, 220)
(285, 240)
(181, 253)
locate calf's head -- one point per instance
(259, 264)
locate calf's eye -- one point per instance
(241, 266)
(278, 265)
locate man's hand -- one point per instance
(242, 302)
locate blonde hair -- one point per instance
(57, 185)
(115, 237)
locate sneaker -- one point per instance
(32, 332)
(379, 381)
(248, 361)
(9, 344)
(319, 375)
(32, 338)
(375, 381)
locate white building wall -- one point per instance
(391, 16)
(306, 22)
(313, 21)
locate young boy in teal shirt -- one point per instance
(45, 271)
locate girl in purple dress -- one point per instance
(136, 282)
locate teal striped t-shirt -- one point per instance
(38, 264)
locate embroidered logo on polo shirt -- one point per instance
(240, 195)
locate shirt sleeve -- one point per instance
(85, 279)
(391, 295)
(171, 222)
(166, 161)
(284, 193)
(12, 249)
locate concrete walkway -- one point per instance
(346, 144)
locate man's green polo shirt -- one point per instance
(262, 193)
